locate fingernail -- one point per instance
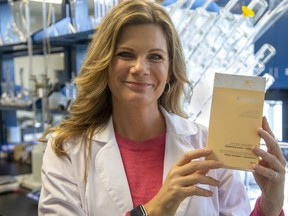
(208, 150)
(254, 149)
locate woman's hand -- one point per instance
(182, 181)
(270, 172)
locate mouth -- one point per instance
(137, 84)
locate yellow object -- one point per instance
(236, 109)
(247, 12)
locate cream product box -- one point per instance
(236, 114)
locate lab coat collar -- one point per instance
(178, 125)
(174, 123)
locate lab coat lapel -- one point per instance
(114, 179)
(174, 149)
(175, 146)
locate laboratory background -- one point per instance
(42, 46)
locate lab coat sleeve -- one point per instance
(60, 192)
(233, 198)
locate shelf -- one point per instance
(13, 108)
(6, 1)
(14, 48)
(61, 112)
(57, 44)
(29, 108)
(69, 39)
(21, 49)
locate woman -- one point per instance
(127, 147)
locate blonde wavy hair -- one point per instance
(92, 108)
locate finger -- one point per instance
(196, 191)
(270, 159)
(193, 154)
(194, 166)
(198, 179)
(204, 171)
(267, 172)
(266, 126)
(270, 141)
(272, 145)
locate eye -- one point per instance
(125, 54)
(155, 57)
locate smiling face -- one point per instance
(139, 69)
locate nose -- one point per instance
(140, 66)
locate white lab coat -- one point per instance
(107, 192)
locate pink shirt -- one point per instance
(143, 162)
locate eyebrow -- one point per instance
(159, 50)
(152, 50)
